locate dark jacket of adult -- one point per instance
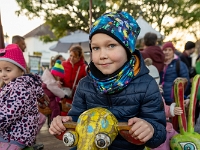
(141, 98)
(188, 61)
(169, 75)
(156, 54)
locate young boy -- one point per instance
(118, 80)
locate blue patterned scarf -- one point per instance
(117, 82)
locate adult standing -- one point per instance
(173, 68)
(75, 69)
(151, 50)
(187, 59)
(19, 40)
(186, 55)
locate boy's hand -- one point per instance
(141, 129)
(178, 111)
(57, 126)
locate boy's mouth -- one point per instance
(104, 64)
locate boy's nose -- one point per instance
(103, 54)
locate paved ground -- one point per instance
(49, 141)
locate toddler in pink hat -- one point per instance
(18, 101)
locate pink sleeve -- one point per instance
(167, 109)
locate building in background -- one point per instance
(36, 47)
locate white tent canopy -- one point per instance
(145, 27)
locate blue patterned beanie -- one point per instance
(119, 25)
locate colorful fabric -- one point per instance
(119, 25)
(19, 110)
(117, 82)
(13, 54)
(58, 69)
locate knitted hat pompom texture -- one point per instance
(58, 69)
(119, 25)
(13, 54)
(168, 45)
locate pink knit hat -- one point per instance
(168, 44)
(12, 53)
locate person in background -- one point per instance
(75, 69)
(19, 115)
(153, 51)
(178, 53)
(19, 40)
(55, 58)
(170, 111)
(52, 87)
(173, 68)
(186, 56)
(118, 80)
(187, 59)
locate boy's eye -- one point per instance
(111, 45)
(8, 70)
(95, 48)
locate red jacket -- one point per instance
(71, 71)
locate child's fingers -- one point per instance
(133, 120)
(141, 130)
(66, 118)
(135, 123)
(178, 111)
(57, 126)
(146, 137)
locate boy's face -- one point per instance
(9, 71)
(107, 54)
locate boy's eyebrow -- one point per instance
(108, 41)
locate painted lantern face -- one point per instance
(96, 129)
(187, 139)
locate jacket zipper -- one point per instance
(109, 101)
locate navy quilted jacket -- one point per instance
(169, 75)
(141, 98)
